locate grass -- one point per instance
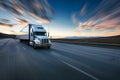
(97, 42)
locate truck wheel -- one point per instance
(34, 46)
(20, 40)
(48, 47)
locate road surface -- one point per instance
(19, 61)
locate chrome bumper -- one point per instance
(43, 45)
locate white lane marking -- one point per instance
(79, 70)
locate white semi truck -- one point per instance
(36, 37)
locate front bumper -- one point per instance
(43, 45)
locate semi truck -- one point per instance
(36, 37)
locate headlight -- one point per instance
(37, 41)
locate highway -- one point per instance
(19, 61)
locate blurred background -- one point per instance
(68, 18)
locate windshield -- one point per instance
(40, 33)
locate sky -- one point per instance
(62, 18)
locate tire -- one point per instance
(48, 47)
(34, 46)
(21, 41)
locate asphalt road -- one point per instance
(19, 61)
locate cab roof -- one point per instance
(38, 28)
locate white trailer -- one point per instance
(36, 37)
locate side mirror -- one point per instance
(48, 34)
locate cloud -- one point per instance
(108, 24)
(83, 10)
(74, 18)
(23, 8)
(6, 25)
(105, 17)
(19, 13)
(21, 21)
(4, 20)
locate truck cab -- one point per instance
(38, 36)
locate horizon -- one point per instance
(65, 37)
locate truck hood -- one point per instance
(42, 37)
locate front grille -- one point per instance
(45, 41)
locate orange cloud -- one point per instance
(105, 20)
(39, 19)
(6, 25)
